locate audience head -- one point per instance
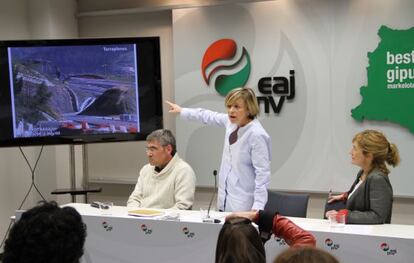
(375, 143)
(248, 96)
(161, 147)
(46, 234)
(305, 255)
(239, 242)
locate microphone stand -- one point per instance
(209, 219)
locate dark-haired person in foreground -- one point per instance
(46, 234)
(240, 242)
(305, 255)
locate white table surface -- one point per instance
(119, 237)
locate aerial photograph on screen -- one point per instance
(74, 90)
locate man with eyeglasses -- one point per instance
(167, 182)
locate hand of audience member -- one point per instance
(173, 108)
(248, 214)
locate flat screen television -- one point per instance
(79, 90)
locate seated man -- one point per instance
(167, 181)
(46, 234)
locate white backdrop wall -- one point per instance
(326, 43)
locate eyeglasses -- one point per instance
(151, 149)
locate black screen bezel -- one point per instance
(149, 85)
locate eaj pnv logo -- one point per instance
(220, 63)
(386, 248)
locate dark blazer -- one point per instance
(371, 203)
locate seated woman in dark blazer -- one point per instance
(369, 200)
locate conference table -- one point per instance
(182, 236)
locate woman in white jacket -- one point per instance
(245, 166)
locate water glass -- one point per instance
(337, 220)
(106, 208)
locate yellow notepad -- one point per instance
(145, 212)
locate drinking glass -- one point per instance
(106, 207)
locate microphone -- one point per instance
(208, 219)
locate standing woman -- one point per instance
(369, 201)
(245, 166)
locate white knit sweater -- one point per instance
(173, 187)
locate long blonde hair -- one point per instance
(375, 142)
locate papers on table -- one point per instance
(145, 212)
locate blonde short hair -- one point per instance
(249, 98)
